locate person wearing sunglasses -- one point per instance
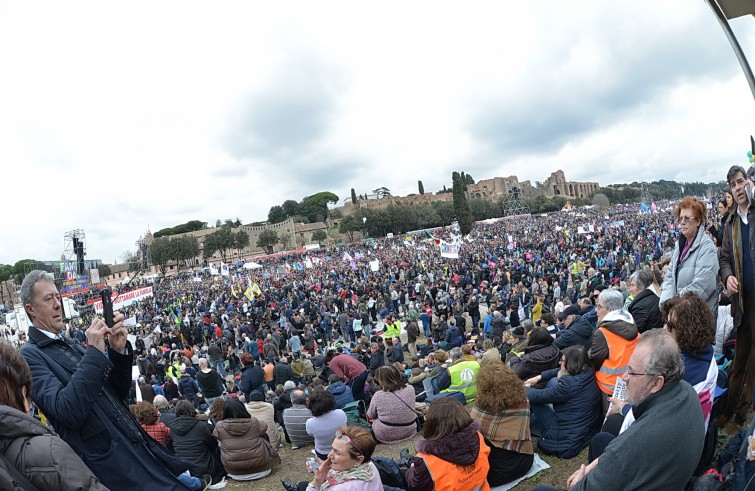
(694, 262)
(348, 466)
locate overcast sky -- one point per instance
(116, 117)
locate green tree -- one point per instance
(291, 208)
(220, 241)
(320, 236)
(267, 239)
(353, 196)
(461, 206)
(104, 269)
(315, 207)
(445, 210)
(160, 252)
(420, 187)
(276, 214)
(184, 248)
(350, 224)
(240, 241)
(382, 192)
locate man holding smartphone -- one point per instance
(82, 392)
(737, 271)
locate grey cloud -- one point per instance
(547, 114)
(289, 116)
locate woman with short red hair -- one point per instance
(694, 262)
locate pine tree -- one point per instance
(421, 187)
(461, 205)
(353, 196)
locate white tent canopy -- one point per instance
(252, 265)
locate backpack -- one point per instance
(356, 414)
(736, 470)
(390, 473)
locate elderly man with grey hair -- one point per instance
(82, 392)
(644, 307)
(613, 342)
(663, 444)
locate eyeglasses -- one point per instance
(633, 374)
(599, 306)
(345, 439)
(685, 219)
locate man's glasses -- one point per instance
(345, 439)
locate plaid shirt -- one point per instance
(158, 431)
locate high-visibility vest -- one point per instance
(452, 477)
(464, 379)
(619, 351)
(392, 330)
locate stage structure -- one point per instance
(512, 203)
(74, 251)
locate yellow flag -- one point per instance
(249, 294)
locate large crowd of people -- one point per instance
(583, 328)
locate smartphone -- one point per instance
(107, 306)
(313, 465)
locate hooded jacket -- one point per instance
(461, 448)
(536, 359)
(645, 310)
(41, 456)
(193, 442)
(342, 393)
(242, 448)
(578, 333)
(619, 322)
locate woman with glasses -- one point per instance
(453, 454)
(694, 262)
(348, 466)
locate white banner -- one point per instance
(94, 275)
(449, 249)
(125, 299)
(374, 265)
(586, 229)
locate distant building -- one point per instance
(488, 189)
(555, 185)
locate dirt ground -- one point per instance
(292, 466)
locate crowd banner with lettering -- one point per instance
(125, 299)
(449, 249)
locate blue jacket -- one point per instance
(579, 333)
(342, 393)
(82, 392)
(577, 403)
(252, 378)
(452, 337)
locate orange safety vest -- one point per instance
(452, 477)
(619, 351)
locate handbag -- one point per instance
(420, 419)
